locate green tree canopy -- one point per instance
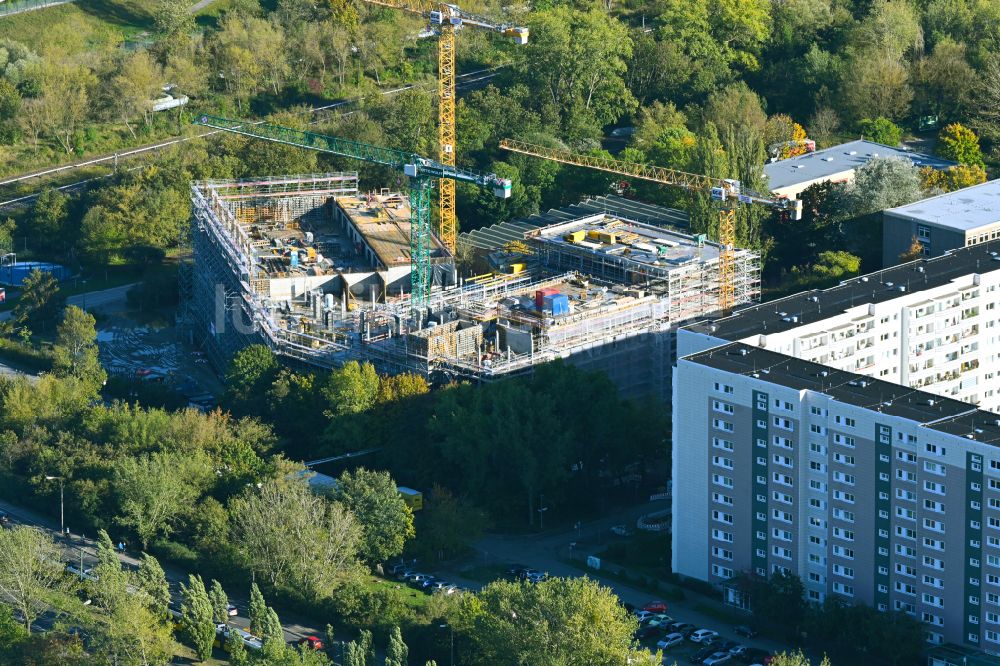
(386, 521)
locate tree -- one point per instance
(959, 143)
(734, 107)
(237, 650)
(366, 646)
(136, 85)
(560, 620)
(323, 552)
(881, 130)
(49, 215)
(448, 525)
(575, 67)
(64, 98)
(75, 352)
(987, 94)
(156, 490)
(272, 635)
(257, 610)
(352, 389)
(914, 252)
(386, 521)
(220, 603)
(831, 267)
(952, 178)
(10, 107)
(797, 658)
(877, 84)
(823, 124)
(40, 299)
(945, 80)
(252, 369)
(111, 581)
(153, 581)
(196, 616)
(397, 653)
(30, 568)
(11, 631)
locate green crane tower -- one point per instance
(422, 172)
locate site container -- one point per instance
(557, 304)
(541, 294)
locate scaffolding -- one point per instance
(622, 292)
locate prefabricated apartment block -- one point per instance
(850, 436)
(319, 272)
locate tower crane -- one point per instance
(421, 171)
(448, 18)
(721, 189)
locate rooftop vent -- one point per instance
(888, 284)
(823, 373)
(864, 278)
(853, 152)
(827, 159)
(920, 269)
(744, 352)
(931, 402)
(814, 299)
(902, 287)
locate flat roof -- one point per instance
(496, 236)
(634, 242)
(816, 305)
(946, 415)
(838, 159)
(964, 210)
(383, 220)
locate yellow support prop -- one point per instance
(727, 259)
(447, 222)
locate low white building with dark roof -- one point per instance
(957, 219)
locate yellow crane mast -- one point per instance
(721, 189)
(448, 18)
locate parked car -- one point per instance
(643, 616)
(745, 631)
(670, 640)
(417, 579)
(753, 655)
(647, 631)
(427, 582)
(231, 610)
(655, 607)
(312, 642)
(683, 628)
(661, 620)
(536, 576)
(702, 635)
(724, 645)
(718, 658)
(701, 655)
(4, 519)
(396, 569)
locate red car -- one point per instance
(312, 642)
(655, 607)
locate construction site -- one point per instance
(320, 272)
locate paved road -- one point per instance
(76, 546)
(95, 300)
(200, 6)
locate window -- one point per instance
(935, 525)
(845, 421)
(906, 495)
(720, 535)
(905, 588)
(783, 479)
(783, 442)
(932, 487)
(906, 532)
(840, 588)
(724, 481)
(906, 570)
(933, 582)
(723, 407)
(816, 411)
(725, 444)
(934, 468)
(783, 423)
(906, 514)
(934, 544)
(783, 516)
(722, 553)
(719, 498)
(932, 600)
(783, 535)
(931, 505)
(843, 497)
(904, 475)
(817, 466)
(841, 514)
(818, 429)
(719, 424)
(721, 572)
(933, 563)
(784, 498)
(840, 533)
(817, 448)
(846, 572)
(905, 551)
(840, 551)
(905, 456)
(782, 552)
(722, 517)
(721, 461)
(817, 485)
(923, 232)
(843, 460)
(724, 388)
(784, 461)
(844, 478)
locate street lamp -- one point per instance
(452, 629)
(62, 504)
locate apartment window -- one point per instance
(932, 600)
(817, 503)
(841, 514)
(932, 505)
(846, 572)
(722, 553)
(843, 497)
(934, 544)
(923, 232)
(784, 461)
(783, 479)
(817, 466)
(719, 424)
(816, 411)
(783, 535)
(905, 588)
(933, 563)
(905, 456)
(783, 516)
(904, 475)
(846, 535)
(906, 514)
(908, 495)
(933, 487)
(721, 572)
(723, 407)
(841, 551)
(719, 498)
(934, 468)
(933, 582)
(725, 444)
(784, 498)
(761, 423)
(721, 535)
(816, 522)
(722, 517)
(934, 525)
(783, 423)
(782, 552)
(843, 460)
(906, 532)
(817, 429)
(846, 590)
(906, 570)
(905, 551)
(783, 442)
(722, 461)
(817, 485)
(844, 478)
(724, 481)
(843, 440)
(845, 421)
(724, 388)
(817, 448)
(934, 449)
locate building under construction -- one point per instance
(319, 272)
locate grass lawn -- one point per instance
(91, 23)
(414, 599)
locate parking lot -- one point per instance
(683, 642)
